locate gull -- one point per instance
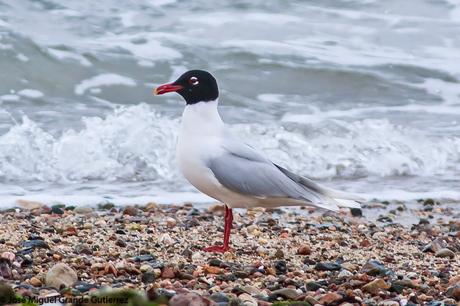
(227, 169)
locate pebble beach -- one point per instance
(388, 253)
(361, 96)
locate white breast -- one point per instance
(199, 140)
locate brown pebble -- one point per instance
(35, 282)
(168, 272)
(330, 298)
(375, 286)
(130, 211)
(212, 270)
(304, 250)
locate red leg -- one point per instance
(227, 231)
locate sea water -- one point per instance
(363, 96)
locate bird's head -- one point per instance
(194, 86)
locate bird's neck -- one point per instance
(202, 117)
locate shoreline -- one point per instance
(92, 196)
(278, 255)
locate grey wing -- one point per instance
(308, 183)
(243, 170)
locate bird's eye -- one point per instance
(193, 81)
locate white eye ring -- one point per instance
(193, 81)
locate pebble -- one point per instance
(215, 262)
(279, 254)
(148, 277)
(35, 282)
(170, 222)
(280, 267)
(375, 286)
(313, 286)
(330, 298)
(445, 253)
(5, 269)
(61, 276)
(251, 290)
(287, 293)
(327, 266)
(83, 210)
(100, 223)
(349, 266)
(212, 270)
(8, 255)
(146, 268)
(83, 249)
(145, 257)
(197, 257)
(166, 239)
(152, 206)
(375, 268)
(454, 292)
(304, 250)
(121, 243)
(278, 273)
(189, 299)
(356, 212)
(344, 274)
(219, 297)
(87, 226)
(247, 300)
(57, 209)
(85, 287)
(131, 211)
(389, 303)
(168, 272)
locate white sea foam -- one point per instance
(317, 115)
(124, 145)
(146, 46)
(137, 144)
(22, 57)
(222, 18)
(31, 93)
(106, 79)
(355, 149)
(161, 2)
(9, 98)
(67, 55)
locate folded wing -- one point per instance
(242, 169)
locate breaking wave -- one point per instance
(137, 143)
